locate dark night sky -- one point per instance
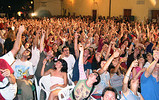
(16, 5)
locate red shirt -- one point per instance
(4, 65)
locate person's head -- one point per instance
(50, 53)
(27, 45)
(66, 51)
(141, 60)
(137, 50)
(115, 61)
(149, 56)
(105, 47)
(109, 93)
(27, 54)
(23, 39)
(62, 64)
(126, 43)
(134, 84)
(94, 77)
(55, 47)
(87, 53)
(147, 43)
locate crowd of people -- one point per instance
(108, 59)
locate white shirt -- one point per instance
(8, 57)
(147, 64)
(22, 69)
(35, 57)
(70, 62)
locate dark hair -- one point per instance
(97, 78)
(30, 55)
(64, 48)
(64, 64)
(109, 89)
(1, 49)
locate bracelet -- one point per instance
(132, 43)
(127, 76)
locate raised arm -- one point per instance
(42, 41)
(35, 41)
(131, 46)
(126, 77)
(138, 74)
(43, 68)
(108, 52)
(153, 64)
(116, 54)
(76, 45)
(2, 36)
(82, 74)
(18, 40)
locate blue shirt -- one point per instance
(149, 87)
(75, 76)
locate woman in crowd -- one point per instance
(58, 77)
(85, 86)
(132, 93)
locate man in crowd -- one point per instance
(69, 58)
(150, 80)
(23, 71)
(109, 93)
(8, 86)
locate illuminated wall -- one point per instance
(140, 8)
(54, 6)
(85, 7)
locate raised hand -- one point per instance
(98, 56)
(156, 55)
(81, 48)
(21, 29)
(44, 61)
(116, 53)
(102, 63)
(134, 63)
(124, 59)
(43, 32)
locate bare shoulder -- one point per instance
(64, 74)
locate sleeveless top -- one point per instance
(56, 80)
